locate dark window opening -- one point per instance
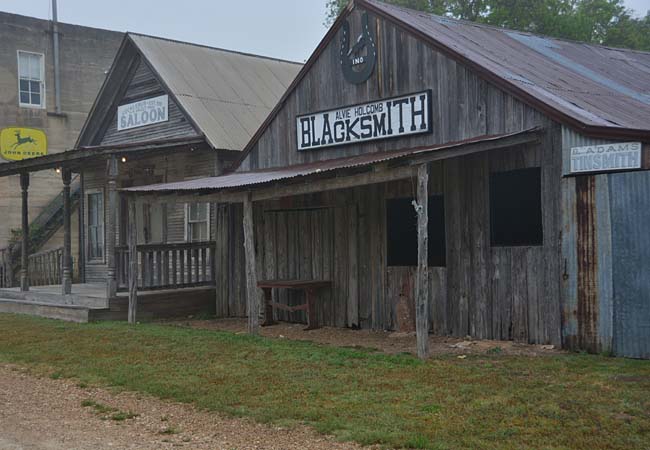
(402, 232)
(516, 207)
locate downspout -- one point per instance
(57, 73)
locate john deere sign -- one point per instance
(17, 144)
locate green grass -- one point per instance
(492, 401)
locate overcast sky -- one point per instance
(288, 29)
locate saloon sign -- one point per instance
(400, 116)
(144, 112)
(606, 157)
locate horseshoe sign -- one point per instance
(358, 60)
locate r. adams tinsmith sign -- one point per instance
(606, 157)
(400, 116)
(144, 112)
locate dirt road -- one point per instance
(47, 414)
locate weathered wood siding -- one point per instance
(495, 293)
(491, 292)
(143, 85)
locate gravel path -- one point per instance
(42, 413)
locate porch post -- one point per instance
(112, 171)
(132, 237)
(24, 270)
(66, 282)
(252, 292)
(81, 263)
(422, 280)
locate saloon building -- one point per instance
(419, 173)
(167, 111)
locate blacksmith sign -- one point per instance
(383, 119)
(606, 157)
(144, 112)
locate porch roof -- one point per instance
(75, 158)
(239, 181)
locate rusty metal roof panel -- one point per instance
(227, 94)
(258, 177)
(596, 85)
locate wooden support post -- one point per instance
(111, 226)
(252, 291)
(24, 271)
(81, 262)
(132, 238)
(66, 272)
(422, 280)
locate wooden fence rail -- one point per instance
(168, 266)
(45, 267)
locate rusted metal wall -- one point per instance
(630, 216)
(605, 287)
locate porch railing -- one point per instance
(45, 267)
(6, 268)
(168, 266)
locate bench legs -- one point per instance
(312, 319)
(268, 307)
(309, 307)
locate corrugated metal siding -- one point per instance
(605, 248)
(630, 216)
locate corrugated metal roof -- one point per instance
(227, 94)
(259, 177)
(596, 85)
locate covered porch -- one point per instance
(324, 223)
(46, 283)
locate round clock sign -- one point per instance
(358, 58)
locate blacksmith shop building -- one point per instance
(418, 173)
(462, 179)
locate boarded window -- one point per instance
(95, 226)
(516, 207)
(31, 82)
(402, 232)
(197, 223)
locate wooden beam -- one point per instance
(66, 272)
(132, 238)
(335, 183)
(422, 278)
(527, 137)
(252, 291)
(111, 226)
(24, 261)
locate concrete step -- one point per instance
(69, 313)
(58, 299)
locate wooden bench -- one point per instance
(310, 287)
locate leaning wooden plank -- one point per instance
(252, 294)
(133, 262)
(422, 284)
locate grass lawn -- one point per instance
(496, 401)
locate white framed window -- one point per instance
(31, 79)
(95, 208)
(197, 222)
